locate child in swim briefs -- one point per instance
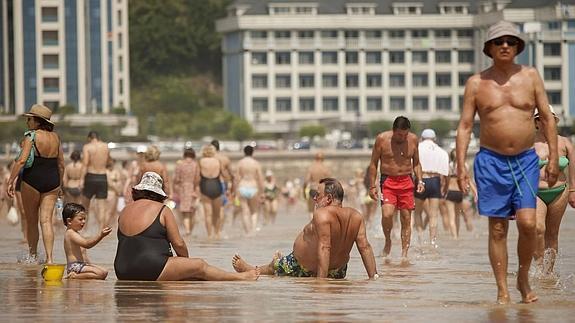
(398, 191)
(74, 218)
(288, 266)
(505, 184)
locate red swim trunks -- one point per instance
(398, 191)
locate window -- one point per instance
(463, 78)
(120, 41)
(443, 79)
(305, 34)
(283, 105)
(119, 17)
(120, 63)
(396, 57)
(258, 34)
(306, 58)
(372, 34)
(397, 103)
(406, 9)
(373, 103)
(359, 10)
(259, 81)
(442, 33)
(554, 97)
(329, 80)
(552, 49)
(419, 33)
(443, 56)
(570, 24)
(121, 86)
(53, 105)
(49, 14)
(50, 38)
(259, 58)
(351, 58)
(260, 104)
(352, 104)
(465, 56)
(306, 80)
(396, 34)
(50, 62)
(554, 25)
(282, 34)
(51, 85)
(420, 103)
(552, 73)
(443, 103)
(351, 80)
(419, 57)
(373, 80)
(330, 104)
(329, 57)
(283, 58)
(280, 10)
(307, 104)
(327, 34)
(373, 57)
(465, 33)
(283, 81)
(351, 34)
(453, 9)
(304, 10)
(419, 79)
(396, 80)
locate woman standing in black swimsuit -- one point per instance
(42, 179)
(147, 232)
(211, 190)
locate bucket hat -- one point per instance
(40, 111)
(152, 182)
(500, 29)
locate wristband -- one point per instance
(422, 183)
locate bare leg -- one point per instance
(47, 203)
(553, 221)
(432, 214)
(405, 216)
(207, 215)
(498, 228)
(246, 218)
(187, 222)
(451, 215)
(417, 219)
(240, 265)
(216, 211)
(101, 212)
(86, 204)
(387, 213)
(90, 272)
(444, 214)
(253, 204)
(32, 198)
(180, 268)
(23, 219)
(468, 213)
(525, 249)
(541, 214)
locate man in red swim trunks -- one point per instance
(396, 152)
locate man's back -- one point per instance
(95, 156)
(249, 169)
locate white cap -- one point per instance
(269, 173)
(536, 114)
(141, 149)
(428, 134)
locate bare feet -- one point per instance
(404, 262)
(527, 295)
(71, 275)
(240, 265)
(503, 299)
(251, 274)
(387, 248)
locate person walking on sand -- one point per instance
(316, 171)
(250, 184)
(94, 181)
(506, 167)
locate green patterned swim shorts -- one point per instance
(288, 266)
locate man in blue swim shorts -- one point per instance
(322, 248)
(506, 170)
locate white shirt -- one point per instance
(433, 159)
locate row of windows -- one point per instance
(371, 57)
(51, 62)
(330, 80)
(354, 34)
(52, 85)
(360, 9)
(373, 103)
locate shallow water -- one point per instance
(451, 283)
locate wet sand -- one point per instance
(452, 283)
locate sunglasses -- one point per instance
(510, 41)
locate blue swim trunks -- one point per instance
(289, 266)
(505, 184)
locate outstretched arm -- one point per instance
(365, 251)
(76, 238)
(323, 232)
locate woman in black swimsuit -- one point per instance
(211, 189)
(42, 179)
(147, 232)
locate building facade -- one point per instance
(64, 52)
(288, 63)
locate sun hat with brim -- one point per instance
(40, 111)
(500, 29)
(152, 182)
(536, 114)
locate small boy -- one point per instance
(74, 217)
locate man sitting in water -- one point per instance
(322, 249)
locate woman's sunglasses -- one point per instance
(510, 41)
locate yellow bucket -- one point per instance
(53, 272)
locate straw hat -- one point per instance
(151, 182)
(40, 111)
(500, 29)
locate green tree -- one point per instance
(312, 131)
(241, 130)
(441, 126)
(377, 126)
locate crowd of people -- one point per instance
(523, 172)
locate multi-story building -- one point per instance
(64, 52)
(287, 63)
